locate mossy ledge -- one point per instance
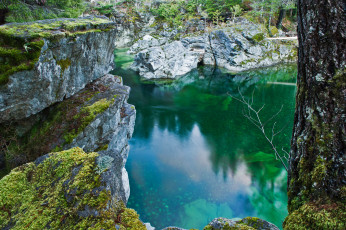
(58, 55)
(55, 128)
(21, 43)
(62, 190)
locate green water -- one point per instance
(194, 156)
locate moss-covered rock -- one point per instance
(248, 223)
(58, 55)
(88, 119)
(62, 190)
(317, 216)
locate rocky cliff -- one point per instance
(64, 190)
(44, 62)
(55, 95)
(239, 47)
(96, 119)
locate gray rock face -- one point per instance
(167, 61)
(147, 42)
(110, 125)
(236, 48)
(220, 223)
(128, 32)
(64, 67)
(113, 127)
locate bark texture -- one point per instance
(317, 162)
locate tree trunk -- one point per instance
(281, 17)
(316, 182)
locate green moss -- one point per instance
(45, 29)
(101, 148)
(273, 30)
(253, 222)
(64, 64)
(258, 37)
(48, 133)
(320, 170)
(54, 193)
(15, 59)
(130, 220)
(87, 115)
(21, 43)
(317, 216)
(238, 226)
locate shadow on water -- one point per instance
(194, 156)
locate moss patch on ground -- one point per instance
(63, 191)
(48, 28)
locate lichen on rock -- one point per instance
(60, 56)
(248, 223)
(96, 118)
(62, 190)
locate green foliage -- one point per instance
(224, 6)
(22, 11)
(53, 193)
(170, 12)
(236, 10)
(105, 9)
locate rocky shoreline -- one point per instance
(238, 47)
(58, 98)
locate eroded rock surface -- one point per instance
(51, 60)
(237, 48)
(97, 118)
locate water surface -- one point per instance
(194, 156)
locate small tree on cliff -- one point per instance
(316, 183)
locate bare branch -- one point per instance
(275, 115)
(256, 120)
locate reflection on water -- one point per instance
(194, 156)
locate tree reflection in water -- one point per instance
(194, 156)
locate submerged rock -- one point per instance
(45, 61)
(63, 190)
(237, 48)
